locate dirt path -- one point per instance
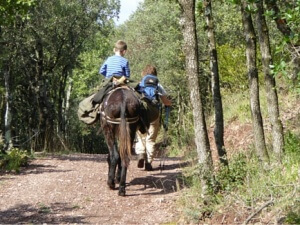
(72, 189)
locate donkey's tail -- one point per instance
(124, 136)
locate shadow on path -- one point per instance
(42, 214)
(162, 179)
(79, 157)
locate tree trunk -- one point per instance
(272, 98)
(61, 100)
(257, 122)
(67, 105)
(45, 126)
(192, 70)
(215, 83)
(8, 116)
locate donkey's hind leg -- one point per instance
(122, 185)
(118, 174)
(112, 164)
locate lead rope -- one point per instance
(164, 144)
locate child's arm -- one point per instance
(127, 70)
(103, 69)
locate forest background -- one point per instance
(51, 52)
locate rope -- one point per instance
(117, 120)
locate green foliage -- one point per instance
(292, 143)
(154, 37)
(236, 107)
(44, 208)
(227, 21)
(246, 183)
(234, 1)
(233, 176)
(293, 217)
(86, 77)
(11, 9)
(40, 54)
(13, 160)
(194, 206)
(84, 82)
(286, 58)
(232, 76)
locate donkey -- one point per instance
(120, 118)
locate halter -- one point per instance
(117, 120)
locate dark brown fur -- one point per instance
(121, 105)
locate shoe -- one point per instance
(148, 166)
(141, 160)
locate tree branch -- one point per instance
(257, 211)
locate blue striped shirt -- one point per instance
(115, 65)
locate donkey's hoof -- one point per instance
(117, 180)
(122, 193)
(111, 185)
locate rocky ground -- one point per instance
(72, 189)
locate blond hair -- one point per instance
(120, 45)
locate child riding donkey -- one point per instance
(115, 69)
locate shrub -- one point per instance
(234, 175)
(13, 160)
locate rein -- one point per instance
(117, 120)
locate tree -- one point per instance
(192, 71)
(270, 84)
(43, 52)
(289, 36)
(13, 9)
(257, 122)
(10, 11)
(215, 83)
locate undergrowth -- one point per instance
(243, 188)
(13, 160)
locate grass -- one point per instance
(236, 106)
(270, 194)
(245, 186)
(44, 209)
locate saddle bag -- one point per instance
(87, 111)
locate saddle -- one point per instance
(88, 109)
(107, 86)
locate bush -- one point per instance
(13, 160)
(234, 175)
